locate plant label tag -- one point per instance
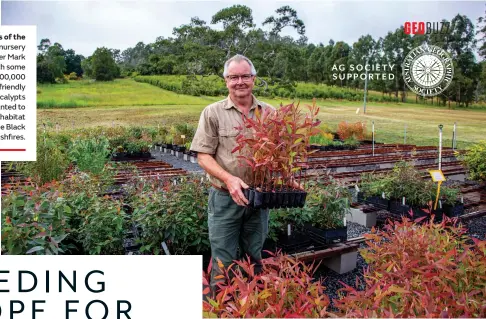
(165, 248)
(344, 221)
(440, 204)
(288, 229)
(383, 195)
(356, 187)
(437, 175)
(403, 201)
(183, 136)
(462, 199)
(357, 110)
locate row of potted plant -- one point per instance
(403, 189)
(320, 222)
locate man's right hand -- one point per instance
(235, 185)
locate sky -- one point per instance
(87, 25)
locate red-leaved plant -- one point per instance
(427, 270)
(351, 130)
(284, 289)
(275, 144)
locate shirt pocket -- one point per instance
(227, 140)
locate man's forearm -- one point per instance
(209, 164)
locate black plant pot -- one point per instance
(258, 199)
(296, 242)
(377, 201)
(246, 192)
(453, 211)
(273, 200)
(397, 208)
(266, 199)
(292, 199)
(327, 236)
(280, 198)
(302, 197)
(285, 199)
(179, 148)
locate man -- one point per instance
(231, 223)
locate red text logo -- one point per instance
(420, 27)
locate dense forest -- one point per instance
(200, 48)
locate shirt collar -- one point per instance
(229, 103)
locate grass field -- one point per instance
(126, 102)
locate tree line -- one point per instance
(199, 48)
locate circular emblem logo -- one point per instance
(428, 70)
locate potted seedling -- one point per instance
(410, 192)
(374, 189)
(448, 201)
(274, 146)
(327, 205)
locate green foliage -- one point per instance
(90, 155)
(172, 213)
(35, 220)
(51, 161)
(426, 270)
(475, 161)
(327, 204)
(406, 181)
(102, 228)
(103, 65)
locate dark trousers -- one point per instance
(232, 227)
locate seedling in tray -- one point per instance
(275, 146)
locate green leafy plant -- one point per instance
(51, 161)
(171, 212)
(474, 160)
(426, 270)
(35, 220)
(284, 289)
(102, 227)
(327, 204)
(90, 155)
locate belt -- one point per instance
(220, 188)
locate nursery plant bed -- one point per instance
(275, 199)
(120, 157)
(397, 208)
(327, 236)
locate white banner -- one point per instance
(100, 287)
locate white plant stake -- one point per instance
(403, 201)
(344, 221)
(383, 195)
(289, 230)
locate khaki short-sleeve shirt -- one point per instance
(216, 135)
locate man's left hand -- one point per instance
(296, 185)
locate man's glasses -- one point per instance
(244, 78)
